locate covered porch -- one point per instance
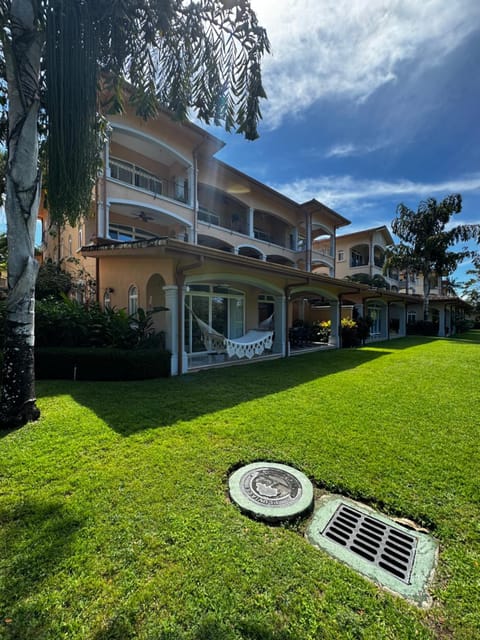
(208, 292)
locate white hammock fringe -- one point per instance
(253, 343)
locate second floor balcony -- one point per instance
(135, 176)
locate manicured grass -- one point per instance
(116, 524)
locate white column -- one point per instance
(295, 239)
(280, 326)
(335, 320)
(171, 323)
(251, 223)
(103, 221)
(191, 185)
(402, 328)
(308, 242)
(441, 318)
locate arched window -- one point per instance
(69, 246)
(132, 300)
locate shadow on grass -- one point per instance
(36, 537)
(399, 344)
(468, 336)
(129, 407)
(121, 628)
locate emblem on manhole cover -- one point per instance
(270, 486)
(271, 491)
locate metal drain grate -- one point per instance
(379, 543)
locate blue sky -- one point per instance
(371, 103)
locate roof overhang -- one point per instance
(184, 253)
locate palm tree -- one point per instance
(425, 240)
(203, 55)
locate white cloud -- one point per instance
(349, 48)
(342, 191)
(349, 149)
(342, 151)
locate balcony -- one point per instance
(205, 215)
(131, 174)
(263, 236)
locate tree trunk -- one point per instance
(22, 55)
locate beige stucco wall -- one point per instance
(162, 128)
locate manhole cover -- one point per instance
(398, 558)
(271, 491)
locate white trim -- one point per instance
(149, 138)
(261, 254)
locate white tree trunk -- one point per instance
(22, 56)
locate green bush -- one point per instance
(67, 323)
(422, 328)
(52, 281)
(101, 364)
(463, 324)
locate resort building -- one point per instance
(228, 266)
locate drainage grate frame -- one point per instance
(382, 544)
(336, 526)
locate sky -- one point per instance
(370, 104)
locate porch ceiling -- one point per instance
(144, 146)
(139, 212)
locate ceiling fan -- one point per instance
(144, 217)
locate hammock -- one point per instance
(253, 343)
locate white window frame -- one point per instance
(132, 299)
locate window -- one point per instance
(219, 306)
(266, 307)
(375, 312)
(357, 259)
(80, 238)
(341, 256)
(69, 246)
(132, 300)
(411, 317)
(125, 233)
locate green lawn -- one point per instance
(115, 519)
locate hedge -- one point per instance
(101, 364)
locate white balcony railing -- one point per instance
(131, 174)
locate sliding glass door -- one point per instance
(220, 307)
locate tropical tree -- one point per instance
(426, 241)
(377, 281)
(471, 288)
(201, 55)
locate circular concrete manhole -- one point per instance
(271, 491)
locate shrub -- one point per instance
(67, 323)
(322, 330)
(52, 281)
(422, 328)
(101, 364)
(349, 333)
(462, 325)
